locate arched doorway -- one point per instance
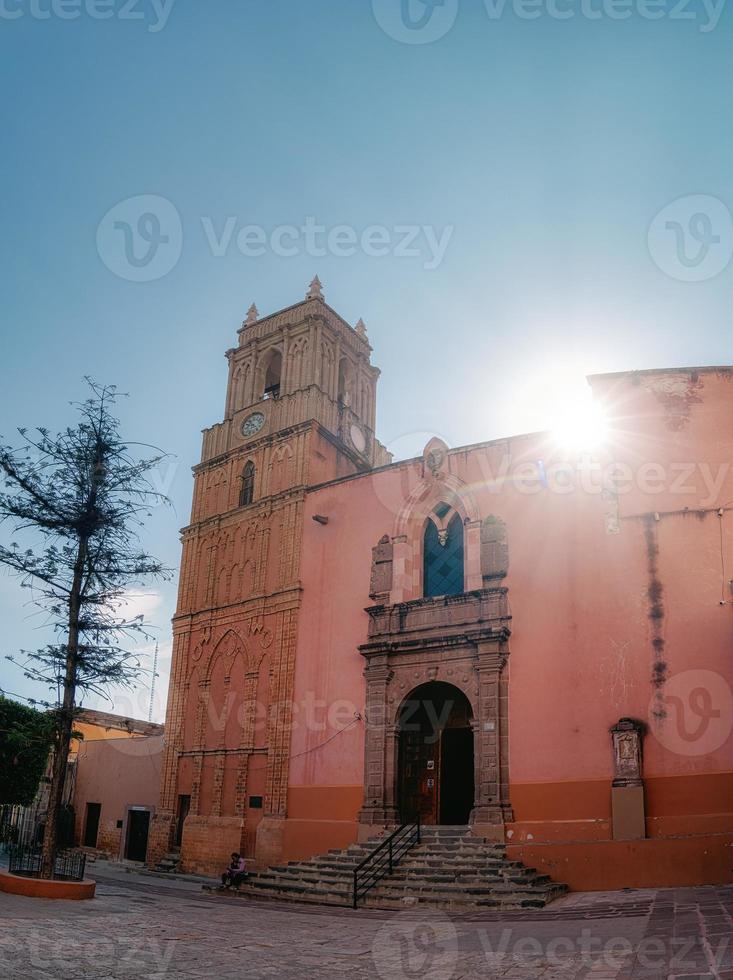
(435, 772)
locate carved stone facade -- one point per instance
(461, 641)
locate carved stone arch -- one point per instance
(328, 356)
(234, 588)
(441, 515)
(221, 589)
(410, 524)
(247, 579)
(240, 383)
(228, 646)
(269, 372)
(249, 540)
(428, 494)
(280, 468)
(364, 400)
(280, 452)
(345, 383)
(237, 542)
(247, 482)
(297, 360)
(467, 687)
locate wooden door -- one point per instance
(419, 777)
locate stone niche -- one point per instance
(627, 789)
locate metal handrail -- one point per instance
(384, 858)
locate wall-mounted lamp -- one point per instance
(320, 519)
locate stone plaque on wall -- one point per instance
(627, 757)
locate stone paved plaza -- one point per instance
(142, 927)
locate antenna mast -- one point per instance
(152, 684)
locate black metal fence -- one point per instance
(383, 859)
(26, 860)
(25, 825)
(21, 825)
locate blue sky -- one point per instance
(540, 151)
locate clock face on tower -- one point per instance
(358, 438)
(252, 424)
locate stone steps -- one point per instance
(168, 864)
(449, 869)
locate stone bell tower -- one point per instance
(299, 411)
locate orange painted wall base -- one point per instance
(304, 838)
(46, 888)
(652, 863)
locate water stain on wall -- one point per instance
(655, 612)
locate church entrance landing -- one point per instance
(436, 764)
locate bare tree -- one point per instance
(80, 498)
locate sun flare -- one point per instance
(580, 427)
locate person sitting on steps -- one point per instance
(236, 873)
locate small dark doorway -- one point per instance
(138, 822)
(435, 766)
(456, 768)
(184, 805)
(91, 824)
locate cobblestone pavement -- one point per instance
(139, 927)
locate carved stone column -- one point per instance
(491, 800)
(472, 541)
(379, 806)
(401, 569)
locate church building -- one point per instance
(532, 642)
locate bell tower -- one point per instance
(299, 411)
(304, 363)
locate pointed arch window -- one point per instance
(443, 553)
(272, 375)
(344, 382)
(247, 493)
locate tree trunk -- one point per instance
(65, 716)
(64, 721)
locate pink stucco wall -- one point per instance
(119, 774)
(585, 570)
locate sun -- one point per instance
(580, 426)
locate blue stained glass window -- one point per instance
(443, 563)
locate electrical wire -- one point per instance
(722, 558)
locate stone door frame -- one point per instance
(475, 662)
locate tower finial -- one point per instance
(315, 291)
(252, 316)
(361, 328)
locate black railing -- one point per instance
(26, 861)
(383, 858)
(20, 825)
